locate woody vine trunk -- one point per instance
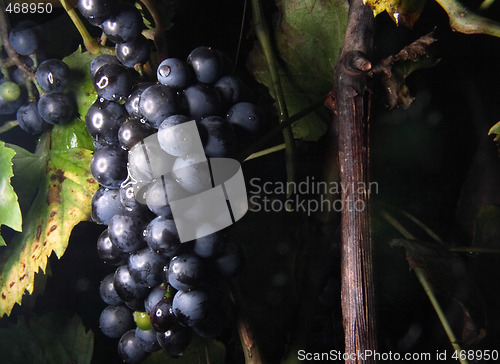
(350, 102)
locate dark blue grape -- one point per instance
(136, 304)
(162, 315)
(207, 64)
(113, 82)
(115, 321)
(191, 307)
(100, 61)
(209, 246)
(173, 120)
(212, 326)
(246, 119)
(230, 263)
(155, 296)
(186, 271)
(157, 103)
(97, 11)
(157, 199)
(132, 103)
(56, 108)
(52, 75)
(109, 252)
(123, 26)
(217, 135)
(174, 73)
(129, 350)
(29, 119)
(230, 88)
(134, 52)
(202, 101)
(109, 166)
(125, 231)
(107, 291)
(104, 119)
(162, 237)
(146, 267)
(133, 131)
(23, 38)
(175, 340)
(146, 340)
(129, 202)
(105, 204)
(126, 287)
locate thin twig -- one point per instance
(159, 33)
(265, 152)
(90, 43)
(262, 32)
(465, 21)
(424, 282)
(8, 125)
(264, 140)
(4, 31)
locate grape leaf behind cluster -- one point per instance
(56, 187)
(10, 213)
(309, 37)
(51, 338)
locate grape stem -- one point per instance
(465, 21)
(14, 57)
(265, 152)
(159, 33)
(8, 125)
(262, 32)
(426, 285)
(90, 43)
(264, 140)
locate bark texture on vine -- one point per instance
(350, 103)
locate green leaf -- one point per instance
(308, 40)
(487, 228)
(75, 135)
(199, 351)
(404, 12)
(62, 201)
(49, 339)
(57, 186)
(495, 129)
(10, 212)
(28, 170)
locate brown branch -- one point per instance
(351, 109)
(13, 56)
(159, 33)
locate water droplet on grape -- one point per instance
(165, 71)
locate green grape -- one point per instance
(142, 320)
(10, 91)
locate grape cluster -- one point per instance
(162, 291)
(40, 100)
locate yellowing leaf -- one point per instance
(62, 201)
(10, 213)
(404, 12)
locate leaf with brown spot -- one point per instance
(62, 201)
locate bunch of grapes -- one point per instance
(162, 290)
(36, 93)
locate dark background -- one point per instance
(433, 160)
